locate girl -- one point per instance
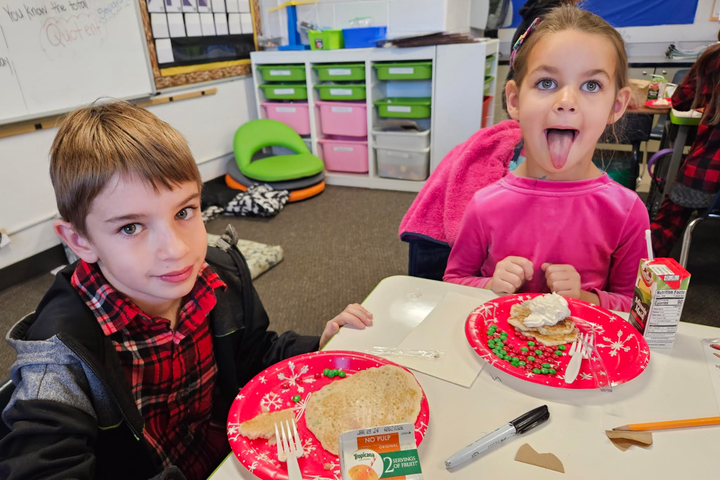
(557, 223)
(699, 178)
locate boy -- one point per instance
(129, 365)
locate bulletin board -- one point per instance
(633, 13)
(193, 41)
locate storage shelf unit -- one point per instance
(456, 91)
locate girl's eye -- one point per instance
(186, 213)
(131, 229)
(546, 84)
(591, 86)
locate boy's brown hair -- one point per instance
(100, 141)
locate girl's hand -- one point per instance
(354, 314)
(563, 280)
(510, 274)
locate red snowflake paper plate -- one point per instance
(274, 388)
(621, 347)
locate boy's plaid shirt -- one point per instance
(172, 373)
(701, 169)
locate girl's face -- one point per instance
(567, 98)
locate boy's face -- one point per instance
(149, 245)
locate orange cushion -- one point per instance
(295, 195)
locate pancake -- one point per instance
(377, 396)
(518, 314)
(263, 425)
(553, 340)
(562, 327)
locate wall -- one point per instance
(402, 17)
(27, 202)
(643, 41)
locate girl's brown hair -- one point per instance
(96, 143)
(570, 17)
(707, 75)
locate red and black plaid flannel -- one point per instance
(701, 169)
(172, 373)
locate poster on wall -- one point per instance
(715, 15)
(634, 13)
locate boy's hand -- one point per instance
(510, 274)
(563, 279)
(354, 314)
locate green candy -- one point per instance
(562, 347)
(341, 374)
(557, 352)
(503, 336)
(524, 349)
(546, 365)
(552, 371)
(531, 358)
(331, 374)
(296, 398)
(544, 371)
(326, 372)
(538, 352)
(499, 343)
(521, 363)
(536, 370)
(531, 343)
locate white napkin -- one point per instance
(444, 329)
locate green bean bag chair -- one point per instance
(262, 133)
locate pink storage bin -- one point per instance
(343, 118)
(295, 115)
(345, 154)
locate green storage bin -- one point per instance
(341, 91)
(282, 73)
(404, 107)
(341, 72)
(285, 91)
(404, 70)
(486, 87)
(326, 39)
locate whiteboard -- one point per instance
(56, 55)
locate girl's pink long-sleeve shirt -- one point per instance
(597, 226)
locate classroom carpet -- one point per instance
(338, 246)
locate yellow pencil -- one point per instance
(691, 422)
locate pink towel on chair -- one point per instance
(480, 161)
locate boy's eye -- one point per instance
(591, 86)
(186, 213)
(131, 229)
(546, 84)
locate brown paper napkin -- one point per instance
(625, 439)
(528, 455)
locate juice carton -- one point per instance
(657, 87)
(387, 452)
(658, 301)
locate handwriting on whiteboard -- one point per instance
(72, 31)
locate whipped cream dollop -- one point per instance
(547, 310)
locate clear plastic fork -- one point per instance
(597, 366)
(289, 448)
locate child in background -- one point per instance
(557, 223)
(698, 179)
(129, 365)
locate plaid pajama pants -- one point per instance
(668, 226)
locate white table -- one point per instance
(675, 385)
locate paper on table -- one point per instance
(625, 439)
(444, 329)
(711, 348)
(527, 454)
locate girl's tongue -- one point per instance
(559, 143)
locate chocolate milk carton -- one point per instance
(658, 300)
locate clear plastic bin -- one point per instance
(403, 164)
(399, 138)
